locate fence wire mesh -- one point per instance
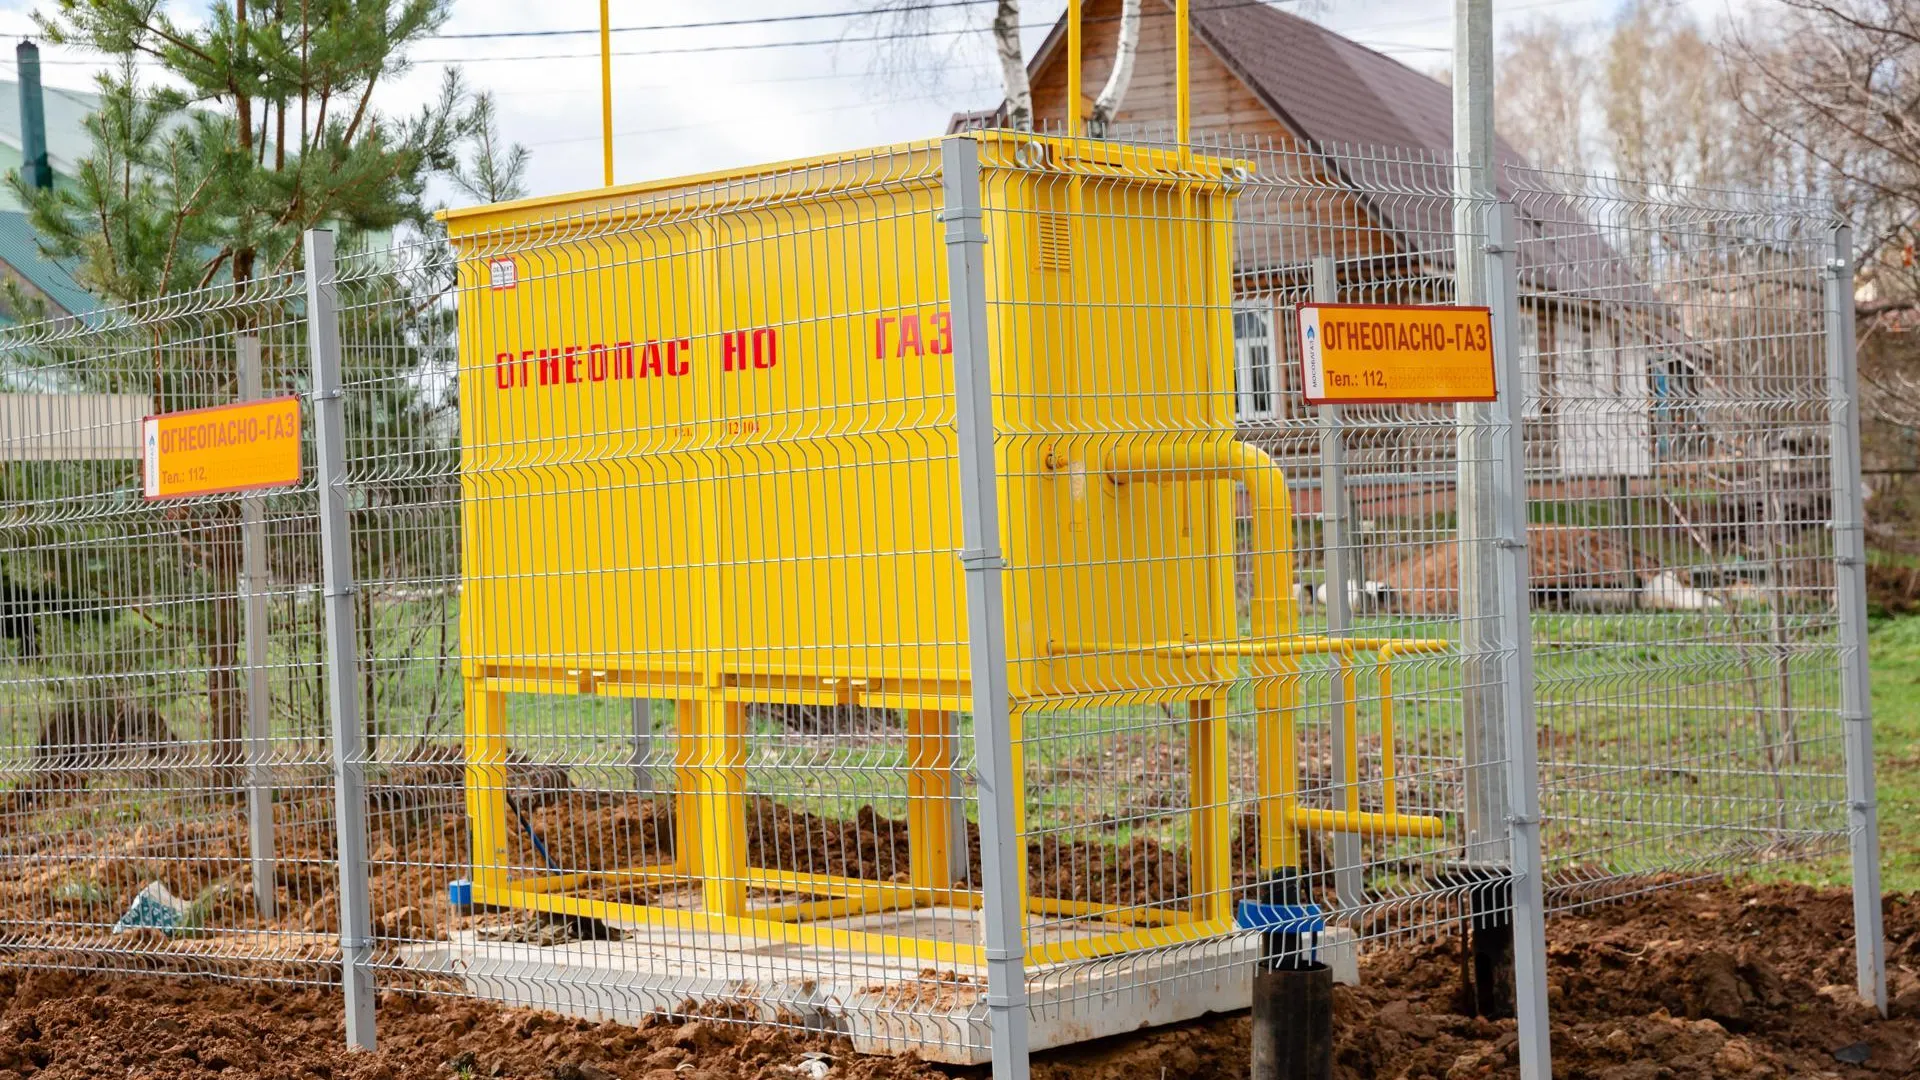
(709, 644)
(666, 693)
(1686, 630)
(167, 788)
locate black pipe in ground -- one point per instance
(1486, 962)
(1490, 944)
(1293, 1022)
(1292, 998)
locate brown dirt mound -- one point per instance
(1709, 982)
(89, 858)
(57, 1026)
(1715, 982)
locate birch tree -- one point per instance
(1838, 82)
(1545, 94)
(909, 23)
(1125, 47)
(1013, 65)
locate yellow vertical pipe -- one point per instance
(1276, 689)
(1210, 858)
(1350, 725)
(1272, 614)
(1183, 94)
(1276, 701)
(1073, 69)
(1390, 801)
(486, 787)
(606, 93)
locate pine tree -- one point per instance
(266, 123)
(275, 130)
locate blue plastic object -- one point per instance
(1280, 918)
(1283, 921)
(539, 845)
(460, 894)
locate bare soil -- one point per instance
(1710, 981)
(1701, 982)
(91, 853)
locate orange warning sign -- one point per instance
(242, 447)
(1374, 354)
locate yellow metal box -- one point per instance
(708, 435)
(709, 455)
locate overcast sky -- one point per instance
(711, 97)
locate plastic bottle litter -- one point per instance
(153, 907)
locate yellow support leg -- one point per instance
(1275, 697)
(486, 786)
(929, 791)
(686, 788)
(720, 798)
(1211, 854)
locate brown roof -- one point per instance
(1348, 102)
(1331, 91)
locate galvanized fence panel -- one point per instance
(1231, 685)
(671, 585)
(167, 801)
(1686, 621)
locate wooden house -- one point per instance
(1350, 151)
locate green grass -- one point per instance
(1896, 710)
(1894, 664)
(1674, 694)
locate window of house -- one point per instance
(1530, 359)
(1255, 388)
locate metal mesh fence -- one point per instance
(867, 596)
(1686, 630)
(168, 801)
(708, 644)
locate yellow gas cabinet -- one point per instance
(709, 457)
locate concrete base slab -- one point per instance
(885, 1004)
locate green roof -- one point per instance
(20, 250)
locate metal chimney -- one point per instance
(34, 170)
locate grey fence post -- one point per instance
(1348, 881)
(1515, 664)
(342, 655)
(1850, 588)
(1000, 843)
(254, 582)
(1487, 802)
